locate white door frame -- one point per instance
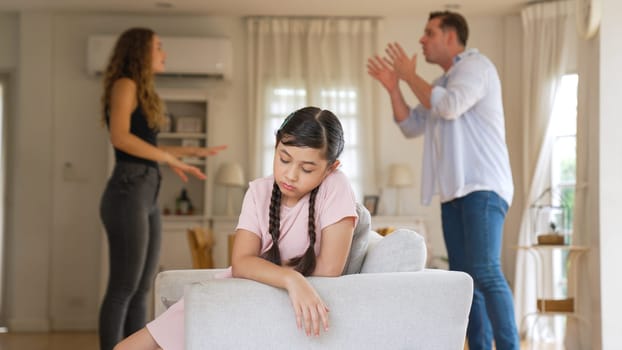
(4, 108)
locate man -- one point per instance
(465, 161)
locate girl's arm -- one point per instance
(310, 310)
(122, 102)
(334, 248)
(246, 262)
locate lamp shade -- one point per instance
(400, 175)
(230, 174)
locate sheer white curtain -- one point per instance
(586, 210)
(293, 62)
(545, 27)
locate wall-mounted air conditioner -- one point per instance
(186, 56)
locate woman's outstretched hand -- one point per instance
(181, 169)
(311, 311)
(207, 151)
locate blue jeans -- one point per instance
(473, 230)
(131, 217)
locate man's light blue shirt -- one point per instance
(464, 132)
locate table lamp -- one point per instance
(230, 175)
(400, 176)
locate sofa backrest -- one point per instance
(410, 310)
(360, 241)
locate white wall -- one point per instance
(511, 73)
(8, 65)
(30, 187)
(8, 41)
(610, 173)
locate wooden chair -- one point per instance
(201, 242)
(230, 241)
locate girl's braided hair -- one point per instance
(307, 127)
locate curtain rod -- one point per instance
(314, 17)
(531, 2)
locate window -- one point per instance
(280, 101)
(563, 178)
(564, 155)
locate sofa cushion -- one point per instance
(401, 251)
(360, 241)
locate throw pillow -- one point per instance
(360, 241)
(401, 251)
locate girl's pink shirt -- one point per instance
(335, 200)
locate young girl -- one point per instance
(129, 210)
(307, 207)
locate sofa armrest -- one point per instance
(170, 285)
(415, 310)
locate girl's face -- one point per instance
(158, 56)
(298, 170)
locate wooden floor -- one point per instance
(88, 341)
(528, 345)
(49, 341)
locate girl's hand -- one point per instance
(311, 312)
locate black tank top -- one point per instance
(140, 128)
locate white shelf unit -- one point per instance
(186, 103)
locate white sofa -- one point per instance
(401, 310)
(393, 303)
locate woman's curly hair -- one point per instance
(131, 58)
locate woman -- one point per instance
(129, 209)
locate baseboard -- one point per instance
(29, 325)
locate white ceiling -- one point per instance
(272, 7)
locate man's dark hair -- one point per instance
(455, 21)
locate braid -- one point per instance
(305, 264)
(308, 127)
(273, 254)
